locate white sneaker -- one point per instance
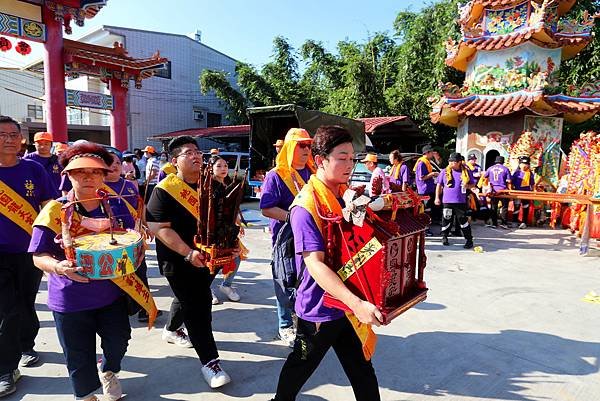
(177, 337)
(230, 292)
(111, 386)
(522, 225)
(215, 300)
(214, 375)
(288, 336)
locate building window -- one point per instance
(78, 116)
(213, 120)
(164, 72)
(34, 111)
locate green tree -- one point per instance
(234, 101)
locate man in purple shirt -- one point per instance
(321, 327)
(44, 156)
(294, 166)
(454, 182)
(425, 180)
(523, 179)
(498, 177)
(24, 188)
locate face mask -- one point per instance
(163, 158)
(96, 225)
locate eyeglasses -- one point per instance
(303, 145)
(190, 153)
(13, 136)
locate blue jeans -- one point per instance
(284, 315)
(77, 335)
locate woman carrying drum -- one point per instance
(83, 307)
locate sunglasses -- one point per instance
(303, 145)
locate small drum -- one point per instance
(102, 260)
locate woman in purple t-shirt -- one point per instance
(81, 307)
(321, 327)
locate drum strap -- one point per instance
(16, 208)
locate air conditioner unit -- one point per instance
(199, 115)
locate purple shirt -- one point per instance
(51, 165)
(309, 296)
(31, 182)
(424, 186)
(274, 193)
(498, 176)
(517, 179)
(128, 190)
(456, 194)
(65, 295)
(403, 177)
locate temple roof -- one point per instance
(112, 58)
(450, 111)
(472, 11)
(372, 123)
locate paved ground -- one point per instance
(506, 324)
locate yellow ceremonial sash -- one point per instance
(179, 190)
(464, 176)
(169, 168)
(526, 178)
(16, 209)
(131, 284)
(129, 205)
(315, 188)
(424, 160)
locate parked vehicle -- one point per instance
(362, 176)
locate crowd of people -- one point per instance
(39, 189)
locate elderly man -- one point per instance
(454, 182)
(27, 187)
(377, 175)
(43, 155)
(278, 145)
(294, 166)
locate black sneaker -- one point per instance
(445, 241)
(468, 244)
(8, 382)
(29, 358)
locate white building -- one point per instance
(172, 100)
(167, 102)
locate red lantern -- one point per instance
(23, 48)
(5, 44)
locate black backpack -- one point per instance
(283, 267)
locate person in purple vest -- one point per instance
(425, 179)
(24, 188)
(498, 177)
(294, 166)
(523, 179)
(451, 191)
(399, 177)
(43, 155)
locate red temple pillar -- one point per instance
(118, 115)
(54, 77)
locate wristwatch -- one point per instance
(188, 257)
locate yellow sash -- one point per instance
(526, 178)
(283, 167)
(131, 284)
(168, 168)
(395, 173)
(179, 190)
(16, 209)
(126, 198)
(328, 201)
(464, 176)
(423, 159)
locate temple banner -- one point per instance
(22, 28)
(546, 130)
(89, 99)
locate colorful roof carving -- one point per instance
(110, 62)
(449, 111)
(78, 10)
(503, 28)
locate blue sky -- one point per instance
(245, 29)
